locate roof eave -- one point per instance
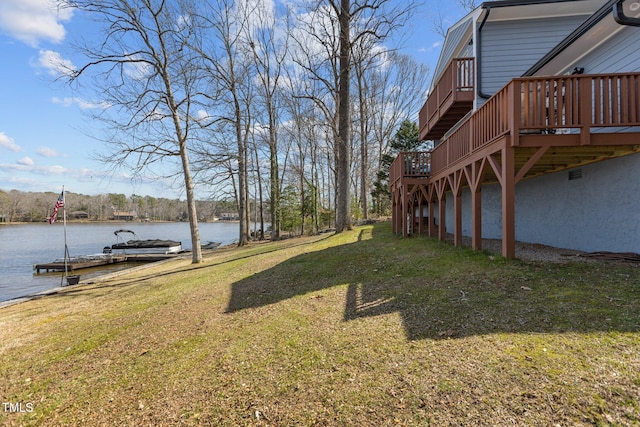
(598, 16)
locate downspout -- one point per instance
(621, 18)
(481, 94)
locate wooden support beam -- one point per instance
(442, 226)
(529, 164)
(475, 175)
(496, 166)
(420, 220)
(430, 199)
(508, 183)
(394, 211)
(455, 182)
(403, 211)
(441, 186)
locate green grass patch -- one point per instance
(360, 328)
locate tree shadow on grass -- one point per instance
(444, 292)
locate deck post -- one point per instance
(457, 215)
(476, 218)
(403, 210)
(393, 211)
(395, 215)
(420, 217)
(442, 225)
(455, 181)
(441, 186)
(475, 175)
(508, 202)
(431, 229)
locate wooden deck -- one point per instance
(450, 99)
(531, 127)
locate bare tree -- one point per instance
(315, 79)
(146, 75)
(367, 57)
(342, 25)
(226, 60)
(269, 42)
(468, 5)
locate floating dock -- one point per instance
(78, 263)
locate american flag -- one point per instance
(59, 204)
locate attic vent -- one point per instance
(575, 174)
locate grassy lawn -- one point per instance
(358, 329)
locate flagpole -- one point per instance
(64, 219)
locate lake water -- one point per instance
(23, 245)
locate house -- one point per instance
(124, 216)
(229, 216)
(534, 111)
(79, 215)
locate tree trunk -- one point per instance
(343, 214)
(196, 249)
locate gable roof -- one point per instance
(456, 33)
(462, 31)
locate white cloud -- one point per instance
(32, 21)
(261, 13)
(53, 170)
(38, 170)
(25, 161)
(202, 115)
(137, 70)
(54, 63)
(47, 152)
(81, 103)
(6, 142)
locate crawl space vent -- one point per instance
(575, 174)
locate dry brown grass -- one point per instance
(362, 328)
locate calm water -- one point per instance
(22, 246)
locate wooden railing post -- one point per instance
(514, 108)
(586, 109)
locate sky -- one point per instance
(47, 140)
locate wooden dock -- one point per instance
(151, 257)
(80, 262)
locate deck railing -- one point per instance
(457, 78)
(537, 105)
(414, 164)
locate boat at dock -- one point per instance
(210, 245)
(140, 246)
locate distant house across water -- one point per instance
(79, 215)
(229, 216)
(124, 216)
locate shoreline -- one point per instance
(113, 221)
(100, 278)
(90, 281)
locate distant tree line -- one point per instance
(301, 209)
(19, 206)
